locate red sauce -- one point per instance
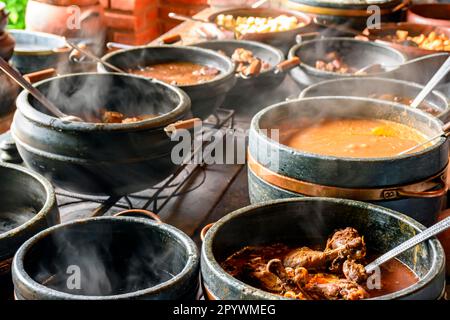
(395, 276)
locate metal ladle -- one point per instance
(441, 73)
(408, 244)
(20, 80)
(93, 57)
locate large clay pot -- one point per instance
(56, 19)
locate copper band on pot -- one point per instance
(414, 190)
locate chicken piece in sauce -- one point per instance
(303, 273)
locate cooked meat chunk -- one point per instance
(354, 271)
(323, 286)
(242, 55)
(112, 117)
(350, 239)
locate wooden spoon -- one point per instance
(20, 80)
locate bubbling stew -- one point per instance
(178, 73)
(355, 138)
(336, 273)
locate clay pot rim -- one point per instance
(50, 198)
(208, 256)
(183, 107)
(320, 73)
(193, 259)
(39, 33)
(437, 93)
(222, 77)
(256, 119)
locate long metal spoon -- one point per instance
(94, 57)
(418, 238)
(441, 73)
(445, 134)
(20, 80)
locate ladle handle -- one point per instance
(182, 17)
(17, 77)
(93, 57)
(116, 45)
(422, 236)
(140, 212)
(205, 231)
(287, 65)
(441, 73)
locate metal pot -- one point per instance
(205, 97)
(282, 39)
(413, 183)
(93, 158)
(357, 53)
(36, 51)
(116, 259)
(311, 221)
(28, 207)
(378, 86)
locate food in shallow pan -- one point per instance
(334, 63)
(424, 106)
(355, 138)
(243, 25)
(430, 41)
(178, 73)
(335, 273)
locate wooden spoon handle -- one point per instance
(17, 77)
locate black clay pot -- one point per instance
(267, 80)
(98, 158)
(353, 87)
(28, 207)
(115, 259)
(309, 221)
(37, 51)
(387, 176)
(205, 97)
(356, 53)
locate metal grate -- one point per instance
(73, 205)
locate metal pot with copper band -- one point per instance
(421, 189)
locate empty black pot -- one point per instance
(107, 258)
(28, 207)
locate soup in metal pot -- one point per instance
(178, 73)
(355, 138)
